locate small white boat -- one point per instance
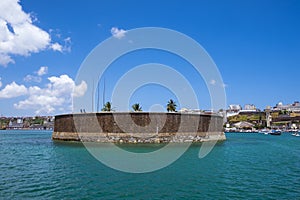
(264, 131)
(296, 134)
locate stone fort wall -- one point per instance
(138, 127)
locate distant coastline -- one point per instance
(27, 123)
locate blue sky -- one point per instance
(255, 44)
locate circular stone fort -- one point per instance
(138, 127)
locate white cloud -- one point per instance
(55, 32)
(62, 85)
(13, 90)
(57, 95)
(65, 48)
(212, 82)
(224, 85)
(117, 33)
(0, 82)
(30, 78)
(41, 103)
(5, 59)
(67, 45)
(80, 89)
(18, 34)
(42, 71)
(56, 47)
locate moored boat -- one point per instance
(264, 131)
(297, 134)
(275, 132)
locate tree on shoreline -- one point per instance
(171, 106)
(136, 107)
(107, 107)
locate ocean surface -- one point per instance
(246, 166)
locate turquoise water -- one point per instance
(246, 166)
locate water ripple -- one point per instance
(246, 166)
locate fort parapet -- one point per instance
(138, 127)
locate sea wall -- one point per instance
(138, 127)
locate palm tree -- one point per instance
(171, 106)
(136, 107)
(107, 107)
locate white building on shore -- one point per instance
(294, 107)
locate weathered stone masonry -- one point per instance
(105, 127)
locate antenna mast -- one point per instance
(98, 97)
(103, 96)
(93, 97)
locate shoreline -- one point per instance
(113, 138)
